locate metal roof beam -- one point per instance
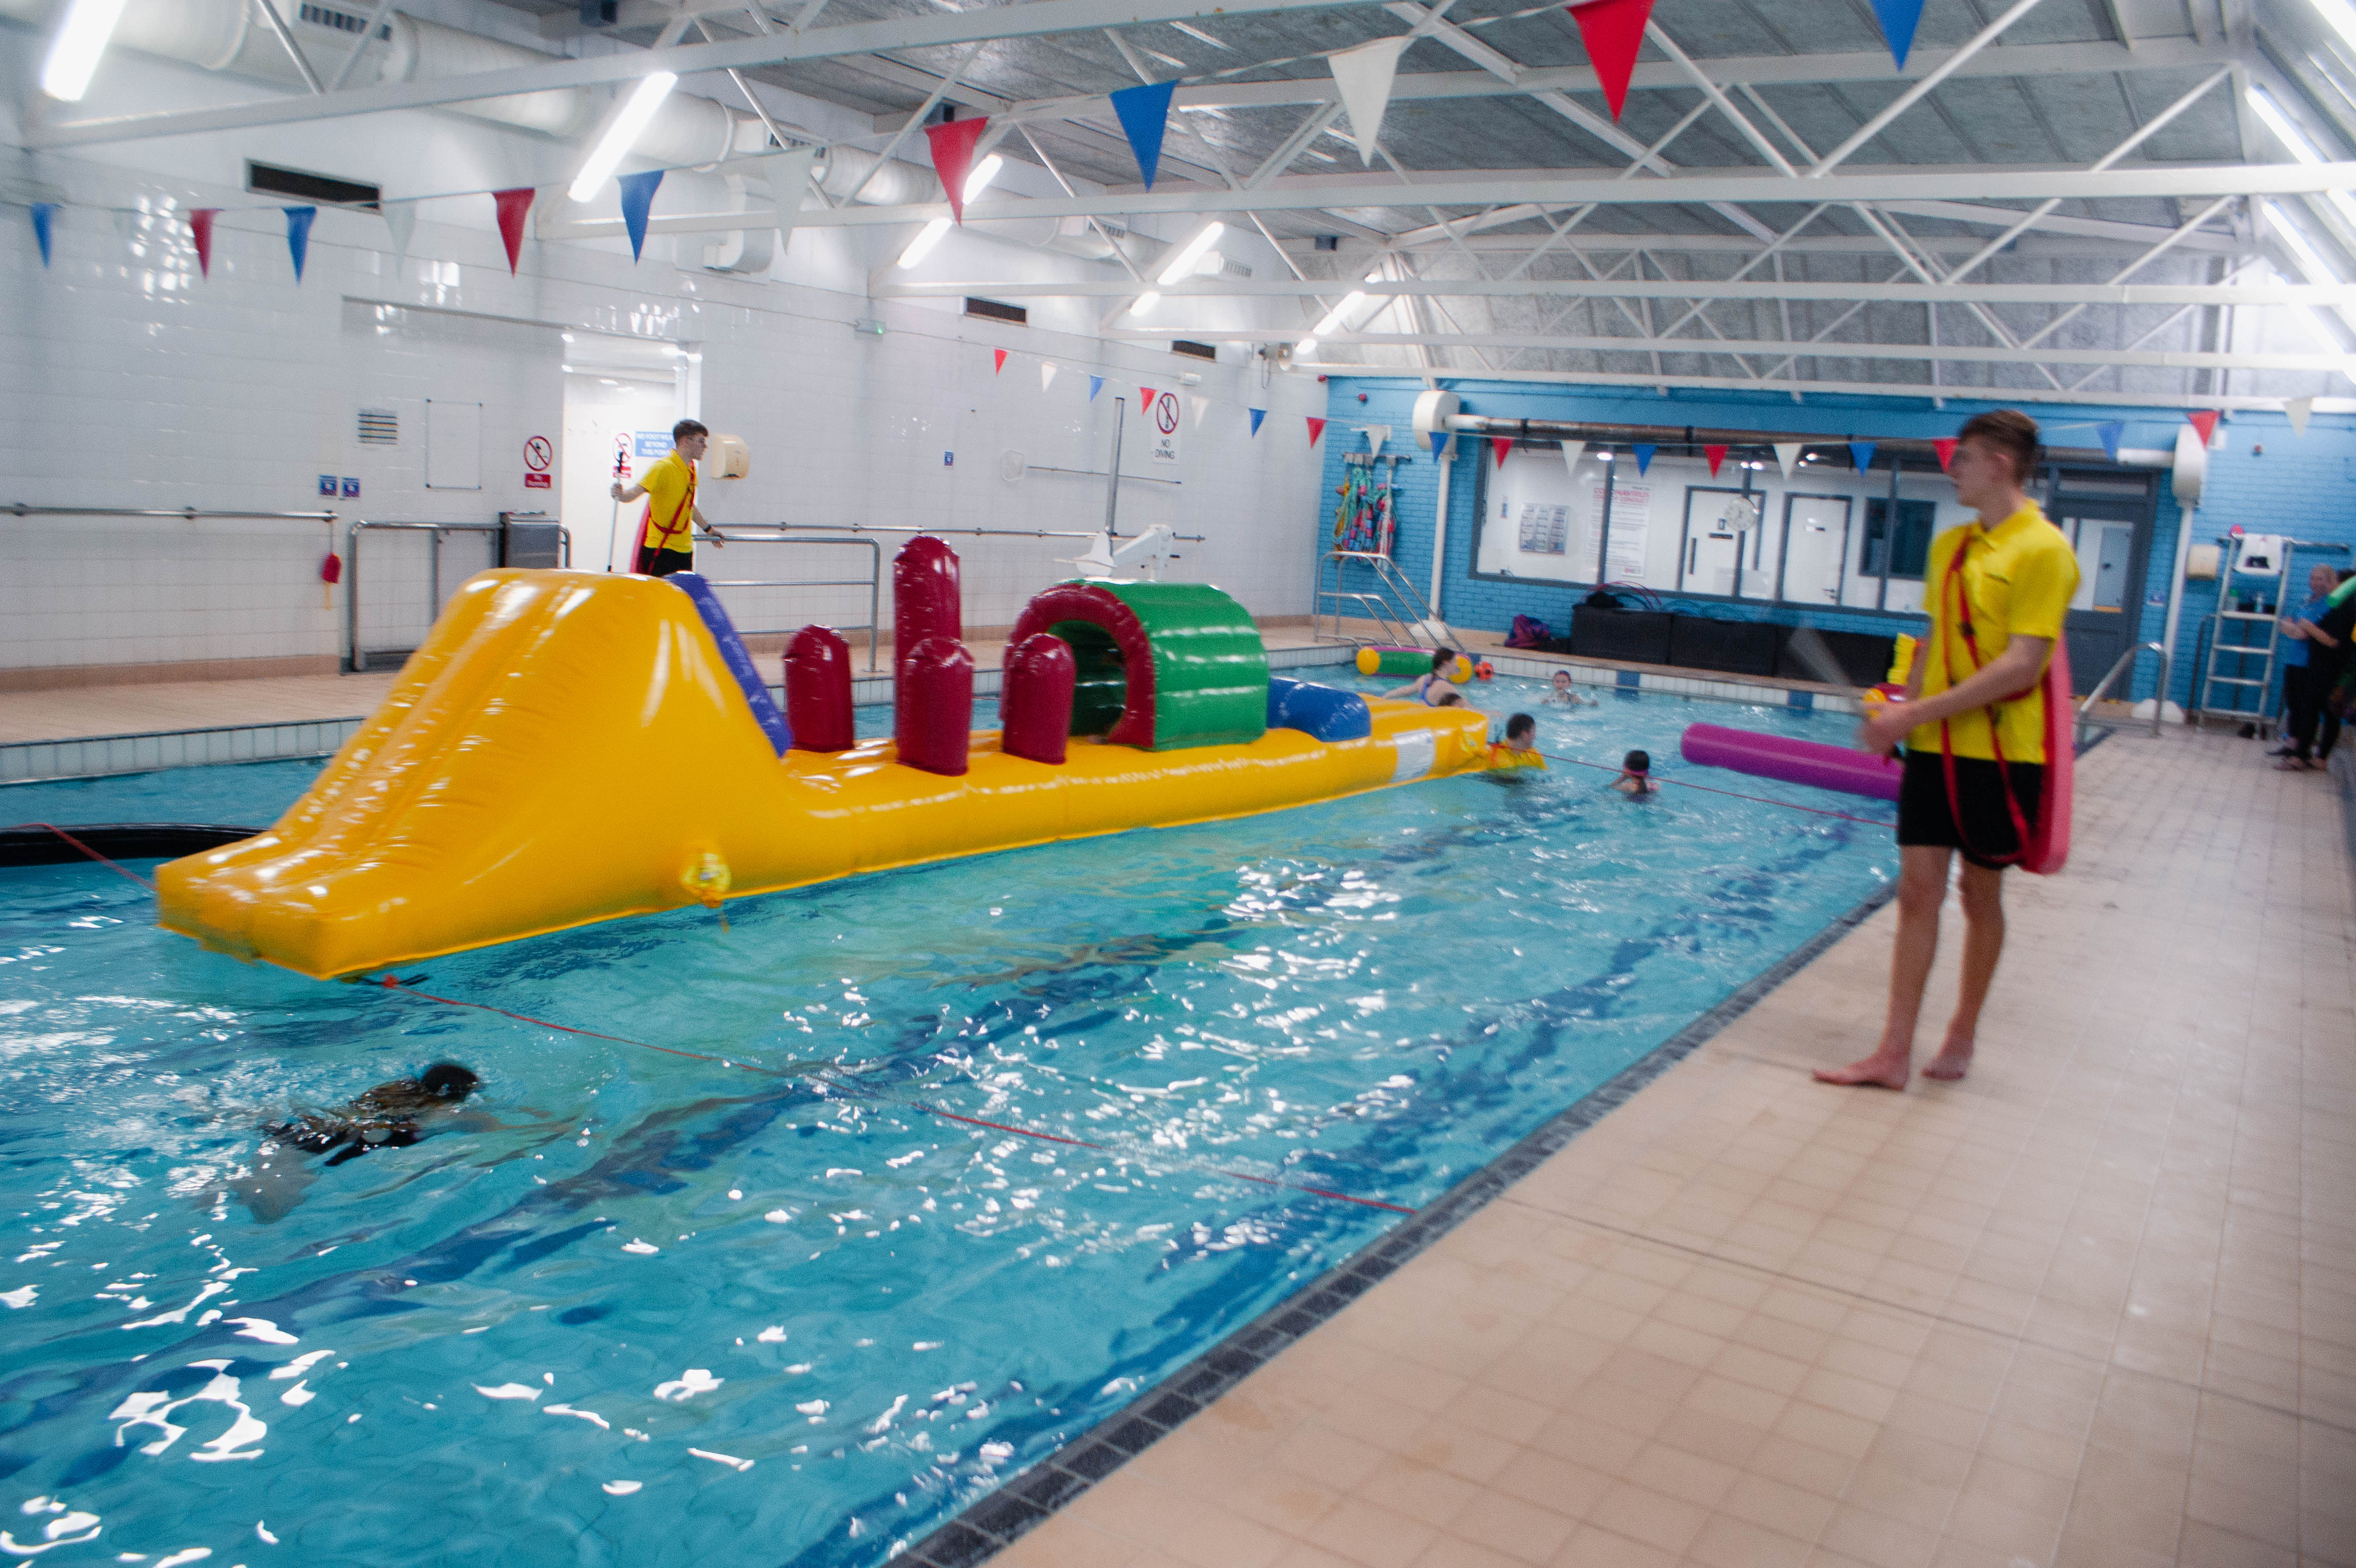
(1913, 294)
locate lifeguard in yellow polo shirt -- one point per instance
(1996, 589)
(666, 533)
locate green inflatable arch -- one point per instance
(1160, 665)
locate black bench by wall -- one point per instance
(1729, 647)
(1633, 636)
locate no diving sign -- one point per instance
(1162, 414)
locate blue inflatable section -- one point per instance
(740, 663)
(1324, 713)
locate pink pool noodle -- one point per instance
(1794, 761)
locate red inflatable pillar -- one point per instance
(817, 691)
(926, 601)
(1034, 702)
(935, 707)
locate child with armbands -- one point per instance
(1520, 746)
(1636, 775)
(1563, 693)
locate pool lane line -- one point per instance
(116, 867)
(393, 982)
(1713, 789)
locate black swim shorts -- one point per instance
(1924, 816)
(663, 562)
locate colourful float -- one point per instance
(1410, 662)
(1794, 761)
(569, 747)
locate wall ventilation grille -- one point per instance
(269, 179)
(380, 427)
(997, 312)
(341, 21)
(1195, 350)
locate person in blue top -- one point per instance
(1436, 690)
(2309, 652)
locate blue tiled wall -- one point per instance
(2304, 486)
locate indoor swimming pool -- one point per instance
(857, 1202)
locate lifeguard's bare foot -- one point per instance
(1876, 1071)
(1954, 1060)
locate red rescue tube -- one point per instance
(1794, 761)
(936, 707)
(1034, 702)
(817, 691)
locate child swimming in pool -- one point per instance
(1564, 693)
(391, 1116)
(1636, 775)
(1434, 689)
(1519, 748)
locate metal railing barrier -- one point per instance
(2125, 662)
(783, 534)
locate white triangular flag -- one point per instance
(1047, 374)
(2299, 408)
(1363, 76)
(1376, 435)
(1572, 451)
(1786, 453)
(400, 217)
(1201, 408)
(789, 177)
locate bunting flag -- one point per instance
(789, 177)
(1613, 30)
(298, 235)
(1047, 375)
(1316, 428)
(513, 204)
(1096, 385)
(1945, 446)
(637, 202)
(2298, 409)
(2204, 419)
(953, 158)
(1144, 113)
(2110, 430)
(1571, 453)
(1643, 457)
(1715, 455)
(1376, 435)
(1897, 19)
(1258, 415)
(997, 361)
(44, 214)
(200, 223)
(1786, 453)
(1861, 453)
(1363, 76)
(1503, 445)
(1439, 440)
(1144, 400)
(1202, 409)
(401, 217)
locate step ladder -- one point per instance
(2244, 669)
(1367, 585)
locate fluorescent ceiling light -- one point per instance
(74, 52)
(930, 234)
(1197, 33)
(2341, 16)
(1305, 347)
(1184, 261)
(1145, 302)
(2289, 133)
(621, 132)
(1333, 317)
(2311, 261)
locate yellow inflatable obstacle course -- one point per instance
(572, 747)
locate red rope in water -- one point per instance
(122, 871)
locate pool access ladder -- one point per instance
(1367, 585)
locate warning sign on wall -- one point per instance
(1162, 415)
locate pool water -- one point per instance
(668, 1308)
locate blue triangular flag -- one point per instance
(43, 211)
(1861, 453)
(1258, 415)
(1644, 457)
(1144, 113)
(2110, 431)
(1897, 19)
(1096, 385)
(1438, 438)
(298, 235)
(637, 197)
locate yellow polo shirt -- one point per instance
(2018, 578)
(670, 485)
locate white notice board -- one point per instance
(453, 444)
(1539, 523)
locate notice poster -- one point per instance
(1545, 529)
(1162, 414)
(1631, 528)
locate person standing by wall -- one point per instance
(667, 534)
(2310, 664)
(1973, 724)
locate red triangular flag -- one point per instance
(1612, 30)
(1502, 444)
(2204, 421)
(1945, 445)
(201, 219)
(953, 157)
(513, 205)
(1316, 428)
(1715, 454)
(1145, 397)
(998, 361)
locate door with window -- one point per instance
(1816, 545)
(2106, 516)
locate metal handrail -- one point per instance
(872, 582)
(2125, 662)
(186, 513)
(1405, 602)
(354, 656)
